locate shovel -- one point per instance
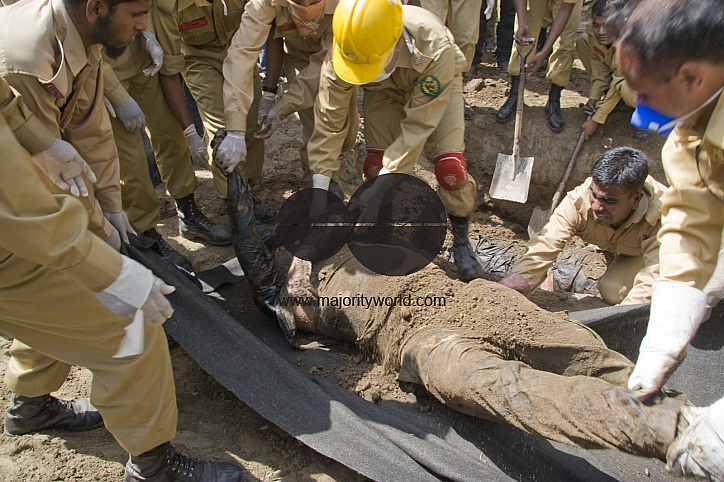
(539, 218)
(512, 173)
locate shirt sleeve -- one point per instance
(640, 292)
(166, 27)
(692, 218)
(241, 59)
(613, 96)
(543, 248)
(601, 76)
(303, 89)
(48, 230)
(423, 112)
(31, 131)
(331, 120)
(112, 87)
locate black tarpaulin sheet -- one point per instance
(392, 441)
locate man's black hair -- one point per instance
(71, 5)
(663, 34)
(599, 7)
(621, 167)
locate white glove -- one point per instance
(138, 296)
(265, 104)
(119, 220)
(64, 166)
(197, 147)
(699, 449)
(489, 9)
(320, 183)
(714, 288)
(677, 310)
(132, 116)
(271, 122)
(231, 151)
(154, 48)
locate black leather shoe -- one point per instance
(467, 263)
(165, 250)
(35, 414)
(164, 463)
(193, 224)
(553, 109)
(506, 110)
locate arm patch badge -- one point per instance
(430, 86)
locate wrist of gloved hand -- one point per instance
(120, 221)
(265, 104)
(677, 310)
(155, 51)
(699, 449)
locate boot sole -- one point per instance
(195, 237)
(556, 130)
(502, 121)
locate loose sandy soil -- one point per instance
(213, 423)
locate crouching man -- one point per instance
(618, 209)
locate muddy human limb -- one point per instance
(254, 256)
(490, 353)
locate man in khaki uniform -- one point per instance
(306, 32)
(679, 79)
(195, 36)
(598, 55)
(410, 68)
(129, 89)
(566, 15)
(67, 122)
(55, 278)
(56, 70)
(618, 209)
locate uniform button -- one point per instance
(60, 30)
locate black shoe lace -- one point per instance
(161, 245)
(181, 463)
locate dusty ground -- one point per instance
(213, 423)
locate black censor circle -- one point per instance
(394, 224)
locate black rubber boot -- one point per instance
(553, 109)
(34, 414)
(164, 463)
(193, 224)
(468, 266)
(506, 110)
(165, 250)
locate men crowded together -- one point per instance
(82, 80)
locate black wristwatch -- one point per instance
(273, 90)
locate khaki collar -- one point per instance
(329, 5)
(69, 41)
(715, 127)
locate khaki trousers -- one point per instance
(563, 54)
(140, 201)
(66, 325)
(383, 118)
(619, 277)
(462, 17)
(205, 80)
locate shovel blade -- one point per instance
(538, 219)
(511, 181)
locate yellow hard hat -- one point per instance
(365, 35)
